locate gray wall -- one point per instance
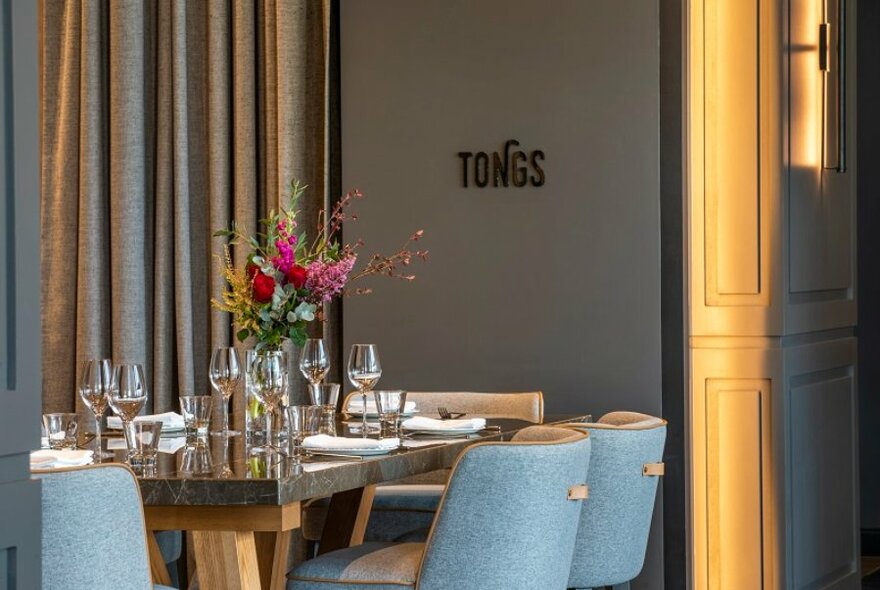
(869, 279)
(19, 296)
(556, 287)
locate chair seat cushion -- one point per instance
(378, 566)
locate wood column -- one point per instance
(774, 500)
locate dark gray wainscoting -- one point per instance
(19, 295)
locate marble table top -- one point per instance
(219, 471)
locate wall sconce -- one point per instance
(832, 56)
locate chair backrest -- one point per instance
(506, 520)
(528, 406)
(93, 530)
(614, 523)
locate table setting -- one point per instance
(198, 474)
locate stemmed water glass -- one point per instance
(364, 371)
(95, 383)
(225, 376)
(269, 378)
(314, 362)
(128, 394)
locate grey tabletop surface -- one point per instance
(218, 471)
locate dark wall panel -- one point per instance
(868, 129)
(554, 287)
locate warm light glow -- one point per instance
(736, 118)
(806, 87)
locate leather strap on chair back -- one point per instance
(625, 461)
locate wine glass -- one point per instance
(364, 371)
(269, 379)
(127, 395)
(95, 382)
(225, 377)
(314, 362)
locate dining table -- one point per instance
(241, 502)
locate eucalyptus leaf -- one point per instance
(298, 335)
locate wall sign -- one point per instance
(503, 168)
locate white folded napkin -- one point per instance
(424, 423)
(169, 420)
(431, 441)
(356, 405)
(49, 459)
(171, 445)
(325, 441)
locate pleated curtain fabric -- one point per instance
(161, 122)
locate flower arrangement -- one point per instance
(287, 279)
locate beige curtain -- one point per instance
(162, 121)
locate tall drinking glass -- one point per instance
(128, 394)
(314, 362)
(269, 380)
(225, 377)
(95, 381)
(364, 371)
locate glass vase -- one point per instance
(255, 413)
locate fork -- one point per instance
(447, 415)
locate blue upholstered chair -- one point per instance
(508, 520)
(93, 530)
(625, 465)
(405, 509)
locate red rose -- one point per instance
(251, 269)
(296, 276)
(263, 288)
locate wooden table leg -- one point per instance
(226, 560)
(347, 518)
(158, 569)
(272, 550)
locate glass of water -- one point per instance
(303, 421)
(325, 395)
(144, 447)
(196, 410)
(389, 406)
(60, 430)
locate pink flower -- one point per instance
(285, 244)
(285, 259)
(325, 280)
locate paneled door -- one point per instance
(20, 382)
